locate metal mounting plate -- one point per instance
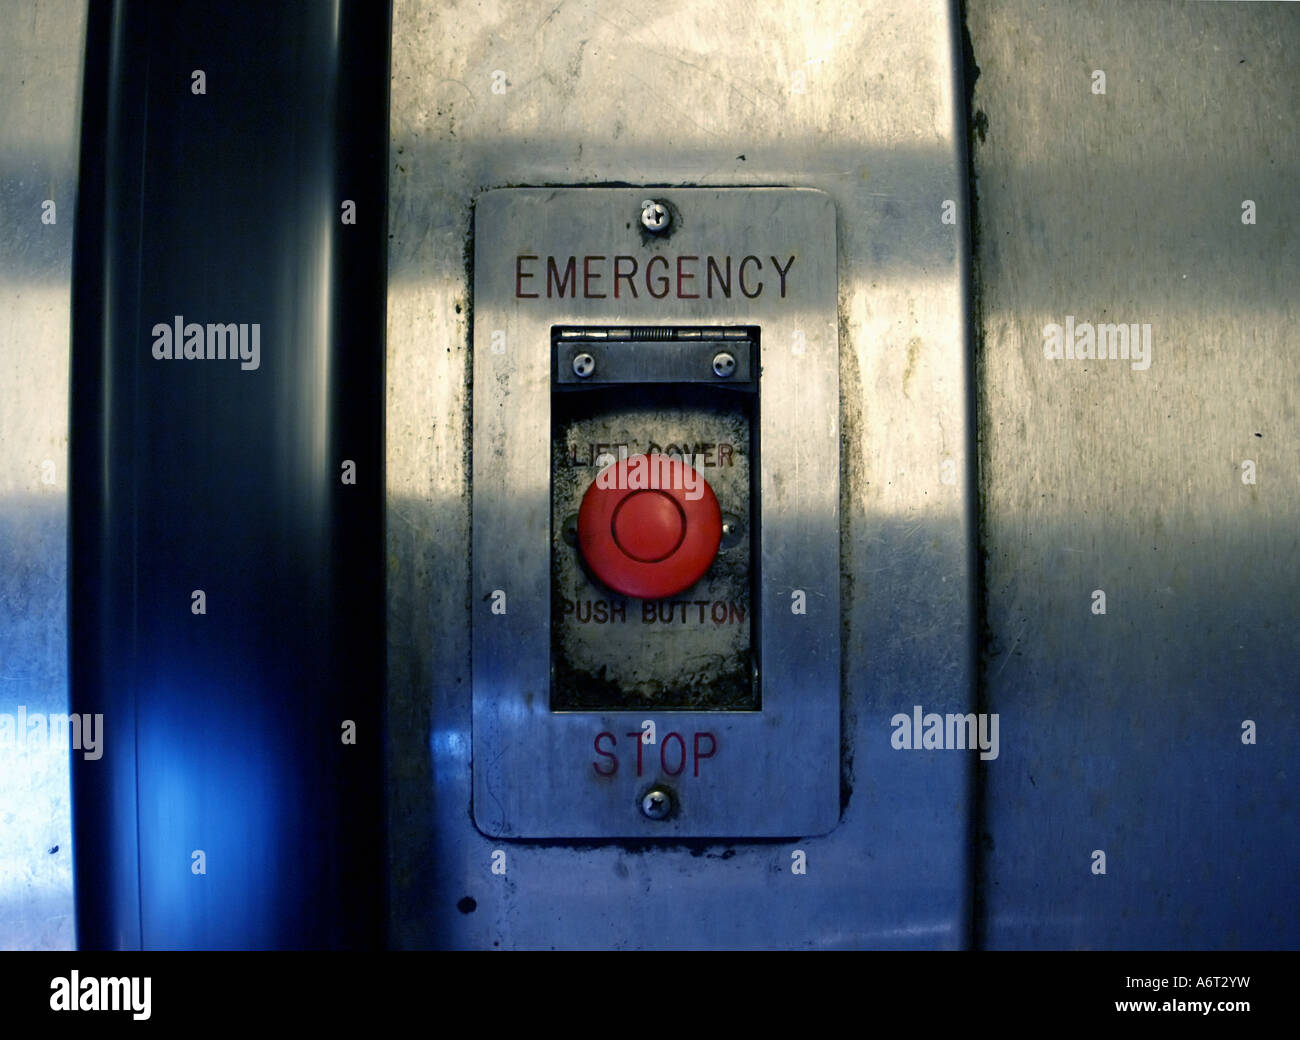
(547, 257)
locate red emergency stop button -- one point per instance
(649, 526)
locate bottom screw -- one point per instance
(657, 803)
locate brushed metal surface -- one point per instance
(856, 100)
(40, 91)
(533, 768)
(1122, 732)
(1124, 739)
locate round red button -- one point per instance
(649, 526)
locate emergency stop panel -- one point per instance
(655, 513)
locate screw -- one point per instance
(723, 365)
(657, 803)
(569, 530)
(732, 530)
(654, 216)
(583, 365)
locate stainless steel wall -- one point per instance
(862, 102)
(1122, 732)
(40, 93)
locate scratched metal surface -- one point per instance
(859, 101)
(1122, 733)
(40, 90)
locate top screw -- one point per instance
(654, 216)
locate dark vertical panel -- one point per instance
(223, 729)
